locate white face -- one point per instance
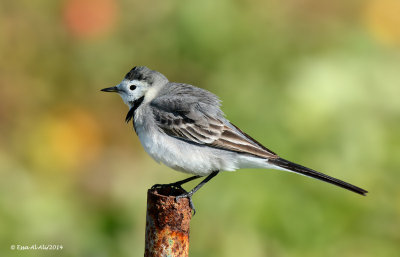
(131, 90)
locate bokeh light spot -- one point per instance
(66, 141)
(382, 18)
(89, 18)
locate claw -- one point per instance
(189, 197)
(192, 206)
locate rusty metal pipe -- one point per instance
(167, 223)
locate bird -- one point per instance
(183, 127)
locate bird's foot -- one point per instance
(187, 195)
(175, 185)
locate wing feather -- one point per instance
(190, 121)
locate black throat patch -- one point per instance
(131, 113)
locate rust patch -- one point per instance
(167, 223)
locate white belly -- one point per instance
(194, 159)
(179, 155)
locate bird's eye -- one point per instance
(132, 87)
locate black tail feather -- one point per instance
(315, 174)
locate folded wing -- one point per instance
(203, 123)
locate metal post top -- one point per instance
(167, 223)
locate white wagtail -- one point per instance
(183, 127)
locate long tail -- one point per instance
(315, 174)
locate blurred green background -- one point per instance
(316, 81)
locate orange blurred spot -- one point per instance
(89, 18)
(65, 142)
(75, 138)
(382, 18)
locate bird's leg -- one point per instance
(195, 189)
(177, 184)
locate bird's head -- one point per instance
(138, 82)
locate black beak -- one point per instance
(110, 89)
